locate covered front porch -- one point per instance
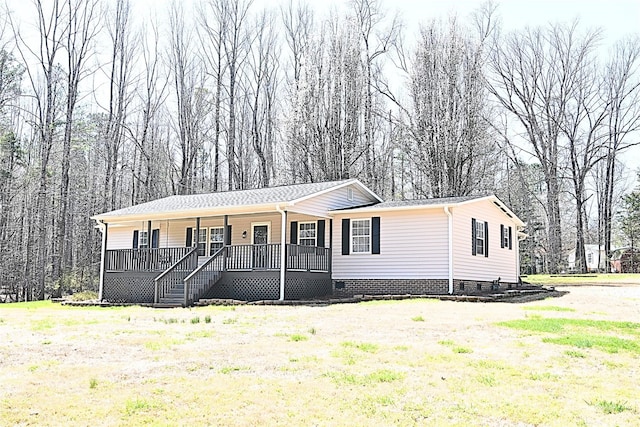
(259, 256)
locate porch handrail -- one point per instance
(208, 273)
(175, 274)
(142, 259)
(308, 258)
(253, 257)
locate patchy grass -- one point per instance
(575, 353)
(547, 308)
(298, 337)
(367, 347)
(577, 279)
(604, 343)
(378, 376)
(605, 335)
(231, 369)
(456, 348)
(271, 365)
(611, 407)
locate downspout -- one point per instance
(517, 244)
(283, 250)
(103, 229)
(450, 243)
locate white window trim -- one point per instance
(351, 236)
(480, 228)
(140, 234)
(505, 236)
(196, 237)
(268, 224)
(211, 234)
(315, 228)
(197, 241)
(349, 193)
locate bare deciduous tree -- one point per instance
(533, 76)
(622, 85)
(450, 144)
(82, 22)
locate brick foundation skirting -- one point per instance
(351, 287)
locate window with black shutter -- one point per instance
(479, 237)
(505, 237)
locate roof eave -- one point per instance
(193, 213)
(374, 208)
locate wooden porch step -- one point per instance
(168, 305)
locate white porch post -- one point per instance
(103, 256)
(225, 238)
(450, 246)
(283, 251)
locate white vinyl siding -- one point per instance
(121, 237)
(334, 199)
(499, 263)
(414, 242)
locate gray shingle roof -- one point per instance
(255, 197)
(417, 202)
(426, 202)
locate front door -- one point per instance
(260, 249)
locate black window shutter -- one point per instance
(155, 238)
(346, 232)
(320, 233)
(227, 240)
(293, 237)
(189, 242)
(375, 235)
(486, 239)
(501, 236)
(509, 238)
(473, 236)
(135, 239)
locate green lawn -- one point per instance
(558, 362)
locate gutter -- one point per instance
(450, 244)
(283, 249)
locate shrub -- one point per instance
(84, 296)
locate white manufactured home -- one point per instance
(304, 241)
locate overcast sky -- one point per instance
(616, 17)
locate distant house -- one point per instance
(304, 241)
(625, 260)
(596, 258)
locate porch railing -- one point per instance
(253, 257)
(308, 258)
(196, 283)
(175, 275)
(238, 258)
(157, 259)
